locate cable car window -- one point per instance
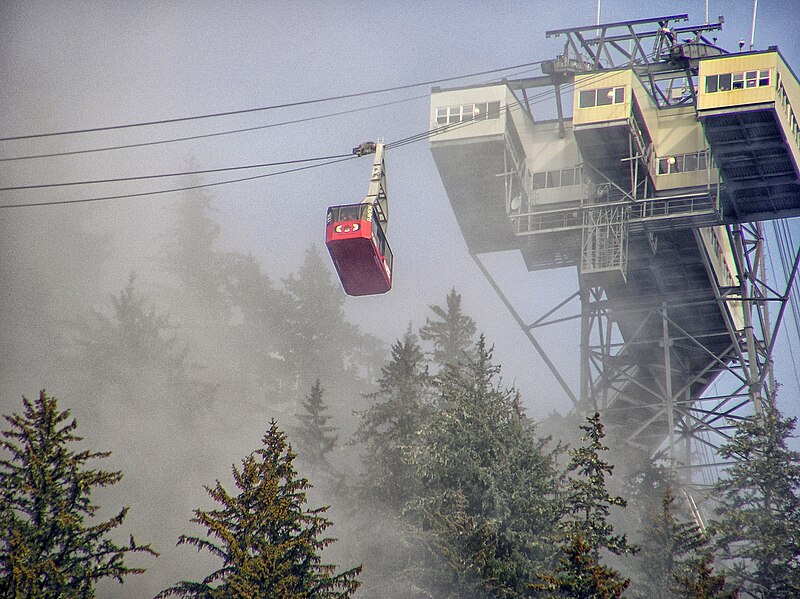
(539, 180)
(568, 176)
(619, 95)
(493, 110)
(553, 178)
(691, 162)
(385, 250)
(349, 213)
(712, 82)
(702, 161)
(587, 98)
(750, 78)
(763, 78)
(738, 80)
(441, 116)
(725, 82)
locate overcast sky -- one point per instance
(76, 65)
(81, 65)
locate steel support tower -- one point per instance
(655, 190)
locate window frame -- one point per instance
(591, 98)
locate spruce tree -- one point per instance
(317, 437)
(487, 500)
(588, 499)
(50, 545)
(190, 254)
(253, 296)
(585, 527)
(700, 582)
(675, 557)
(390, 425)
(580, 575)
(134, 338)
(268, 542)
(391, 548)
(136, 349)
(318, 340)
(452, 334)
(758, 527)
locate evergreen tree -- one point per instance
(390, 425)
(316, 435)
(47, 547)
(136, 350)
(134, 339)
(319, 342)
(585, 526)
(759, 508)
(487, 484)
(268, 542)
(700, 582)
(190, 254)
(580, 575)
(389, 547)
(675, 556)
(588, 500)
(452, 334)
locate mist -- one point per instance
(213, 281)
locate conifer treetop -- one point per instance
(269, 544)
(47, 546)
(452, 335)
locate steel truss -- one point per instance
(689, 414)
(644, 378)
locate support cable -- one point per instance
(215, 134)
(180, 174)
(785, 242)
(329, 160)
(240, 130)
(176, 189)
(264, 108)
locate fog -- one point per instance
(208, 396)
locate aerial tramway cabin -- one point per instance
(358, 247)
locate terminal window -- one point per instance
(604, 96)
(683, 163)
(463, 113)
(557, 178)
(725, 82)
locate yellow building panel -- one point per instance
(788, 107)
(602, 97)
(720, 254)
(647, 105)
(738, 62)
(737, 80)
(789, 81)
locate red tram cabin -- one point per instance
(359, 249)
